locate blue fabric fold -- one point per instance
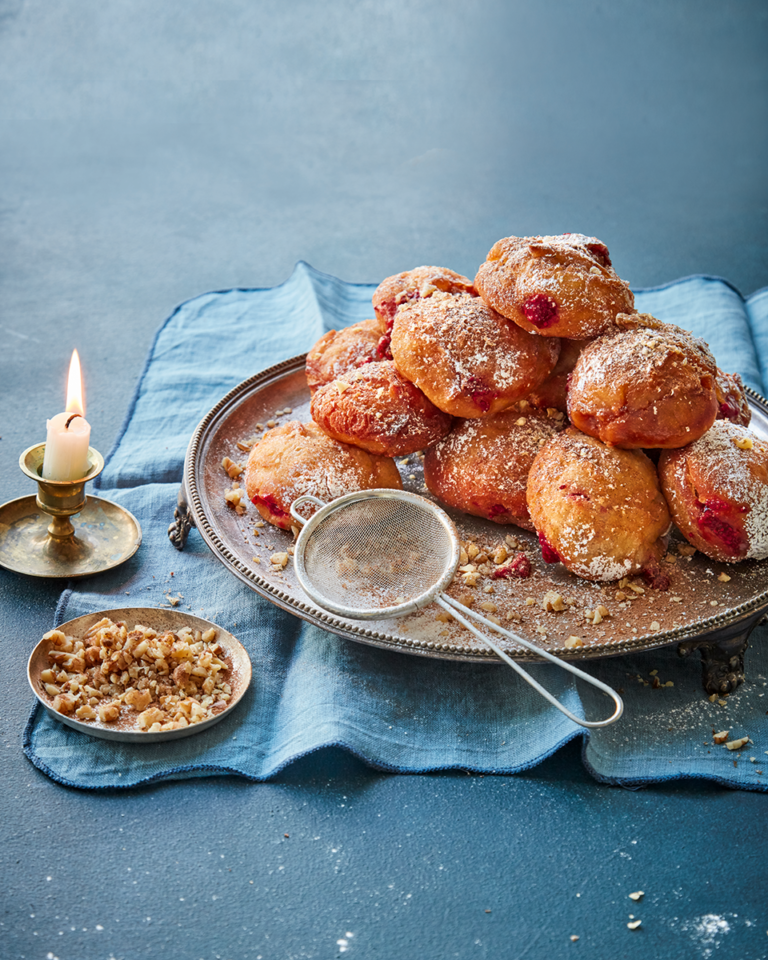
(312, 689)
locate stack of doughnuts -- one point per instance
(540, 398)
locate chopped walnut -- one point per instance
(112, 668)
(737, 744)
(686, 549)
(552, 602)
(233, 469)
(724, 578)
(720, 737)
(279, 560)
(500, 555)
(744, 443)
(573, 643)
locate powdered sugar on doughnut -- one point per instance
(466, 358)
(738, 476)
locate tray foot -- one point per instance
(722, 655)
(178, 531)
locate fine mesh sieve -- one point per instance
(375, 554)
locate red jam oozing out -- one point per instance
(271, 504)
(477, 391)
(383, 350)
(574, 494)
(655, 577)
(496, 510)
(600, 252)
(519, 568)
(548, 552)
(713, 526)
(540, 310)
(729, 410)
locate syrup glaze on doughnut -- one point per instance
(467, 358)
(560, 286)
(717, 490)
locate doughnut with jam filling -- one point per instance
(560, 286)
(597, 509)
(482, 466)
(420, 282)
(553, 392)
(650, 384)
(717, 491)
(338, 351)
(467, 358)
(377, 409)
(298, 458)
(732, 398)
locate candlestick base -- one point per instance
(37, 536)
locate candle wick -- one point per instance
(66, 425)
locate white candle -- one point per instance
(66, 447)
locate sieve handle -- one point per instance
(461, 613)
(304, 498)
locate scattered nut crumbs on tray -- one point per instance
(155, 682)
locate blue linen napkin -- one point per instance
(312, 689)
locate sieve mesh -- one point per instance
(377, 553)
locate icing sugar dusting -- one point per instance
(706, 930)
(735, 474)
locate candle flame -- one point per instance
(75, 398)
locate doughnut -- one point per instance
(377, 409)
(467, 358)
(553, 392)
(648, 385)
(297, 458)
(597, 509)
(339, 351)
(556, 286)
(732, 398)
(717, 491)
(421, 282)
(482, 466)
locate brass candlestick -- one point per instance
(38, 538)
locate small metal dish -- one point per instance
(160, 620)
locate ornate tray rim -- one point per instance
(190, 498)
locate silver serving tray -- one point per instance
(160, 620)
(698, 606)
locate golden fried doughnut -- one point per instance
(645, 386)
(467, 358)
(597, 509)
(553, 392)
(556, 286)
(717, 490)
(377, 409)
(298, 458)
(732, 398)
(411, 285)
(341, 350)
(482, 466)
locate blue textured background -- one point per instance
(151, 152)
